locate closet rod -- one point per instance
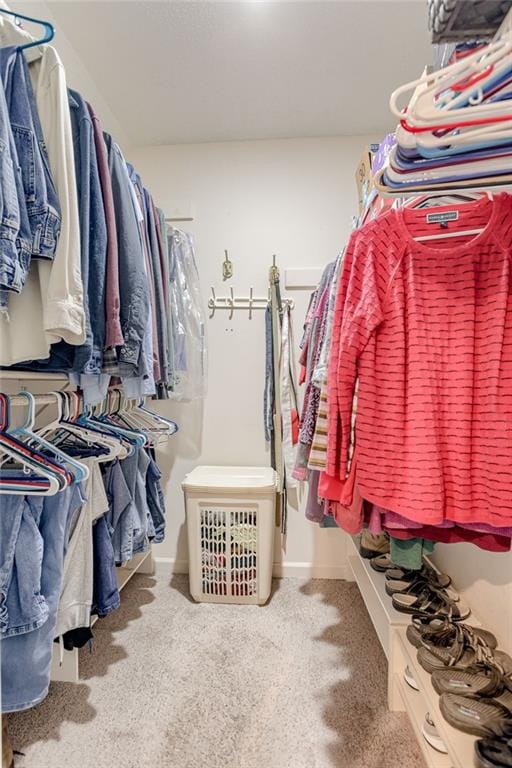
(39, 399)
(29, 376)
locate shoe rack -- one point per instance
(391, 626)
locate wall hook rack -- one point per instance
(232, 302)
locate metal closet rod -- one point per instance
(31, 376)
(46, 399)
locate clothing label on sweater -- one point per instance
(442, 217)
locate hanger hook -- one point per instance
(212, 302)
(31, 403)
(58, 398)
(231, 302)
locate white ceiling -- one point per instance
(175, 72)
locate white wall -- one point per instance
(485, 580)
(77, 75)
(293, 198)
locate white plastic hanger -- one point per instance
(429, 107)
(443, 235)
(110, 443)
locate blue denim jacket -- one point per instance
(41, 199)
(93, 236)
(15, 236)
(86, 358)
(133, 281)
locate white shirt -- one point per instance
(51, 305)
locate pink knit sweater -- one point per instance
(427, 327)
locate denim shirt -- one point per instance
(133, 282)
(85, 358)
(93, 236)
(40, 196)
(15, 236)
(160, 308)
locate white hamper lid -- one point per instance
(247, 479)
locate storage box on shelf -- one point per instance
(391, 627)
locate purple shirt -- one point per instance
(113, 332)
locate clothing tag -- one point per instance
(442, 217)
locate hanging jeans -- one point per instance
(105, 598)
(26, 658)
(22, 606)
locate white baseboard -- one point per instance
(176, 566)
(280, 570)
(311, 571)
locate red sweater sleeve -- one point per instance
(333, 411)
(358, 313)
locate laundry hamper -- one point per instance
(230, 521)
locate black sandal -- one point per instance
(440, 631)
(431, 602)
(493, 753)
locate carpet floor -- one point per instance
(300, 683)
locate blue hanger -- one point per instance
(49, 29)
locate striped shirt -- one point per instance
(427, 329)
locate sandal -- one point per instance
(415, 586)
(480, 717)
(487, 680)
(441, 580)
(493, 753)
(431, 601)
(438, 630)
(466, 650)
(381, 563)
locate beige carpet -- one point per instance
(300, 683)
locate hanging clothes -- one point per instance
(395, 271)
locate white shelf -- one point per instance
(416, 707)
(372, 586)
(391, 627)
(68, 671)
(460, 745)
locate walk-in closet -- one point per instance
(256, 383)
